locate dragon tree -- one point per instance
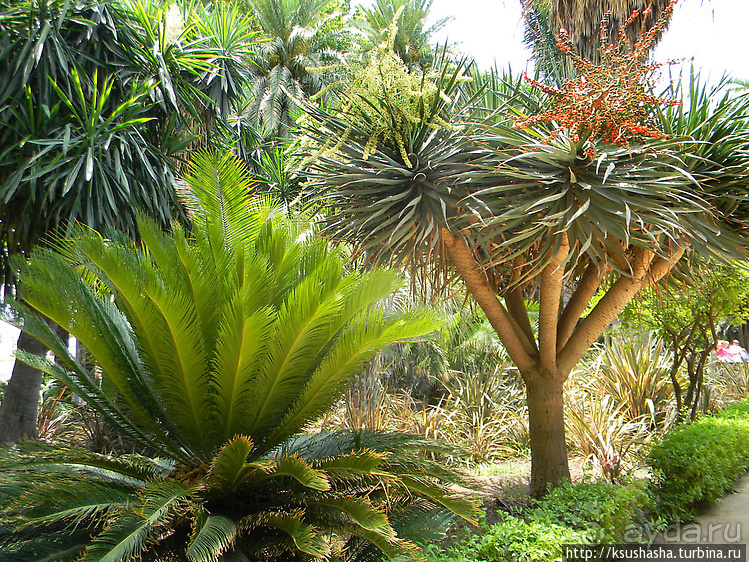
(578, 203)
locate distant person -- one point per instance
(736, 353)
(723, 351)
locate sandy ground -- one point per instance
(515, 475)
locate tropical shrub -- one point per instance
(601, 509)
(636, 374)
(700, 461)
(512, 540)
(215, 349)
(598, 428)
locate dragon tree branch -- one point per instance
(585, 290)
(647, 270)
(478, 285)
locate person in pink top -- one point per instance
(723, 354)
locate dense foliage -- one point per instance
(583, 513)
(97, 102)
(700, 462)
(215, 349)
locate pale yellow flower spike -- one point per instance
(393, 31)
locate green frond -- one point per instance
(352, 465)
(298, 469)
(366, 335)
(361, 513)
(241, 350)
(306, 538)
(214, 537)
(50, 548)
(129, 469)
(459, 505)
(128, 532)
(69, 501)
(228, 465)
(220, 198)
(52, 285)
(396, 550)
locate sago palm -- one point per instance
(214, 350)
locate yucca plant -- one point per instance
(635, 374)
(601, 431)
(215, 349)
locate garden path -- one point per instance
(726, 522)
(732, 510)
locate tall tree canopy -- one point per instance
(303, 53)
(599, 204)
(412, 38)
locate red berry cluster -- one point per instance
(610, 100)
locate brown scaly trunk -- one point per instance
(19, 407)
(546, 424)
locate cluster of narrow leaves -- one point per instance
(216, 349)
(386, 101)
(610, 100)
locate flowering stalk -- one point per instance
(610, 101)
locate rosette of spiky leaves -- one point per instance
(214, 349)
(392, 174)
(627, 199)
(717, 120)
(230, 33)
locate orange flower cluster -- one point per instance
(611, 100)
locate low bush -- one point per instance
(584, 513)
(698, 462)
(510, 540)
(601, 509)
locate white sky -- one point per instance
(713, 32)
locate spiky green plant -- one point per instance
(301, 56)
(636, 374)
(215, 349)
(411, 43)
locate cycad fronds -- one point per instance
(214, 350)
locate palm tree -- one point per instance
(412, 39)
(583, 20)
(215, 350)
(518, 210)
(302, 54)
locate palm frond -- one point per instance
(215, 536)
(127, 533)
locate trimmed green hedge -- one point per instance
(584, 513)
(510, 540)
(699, 462)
